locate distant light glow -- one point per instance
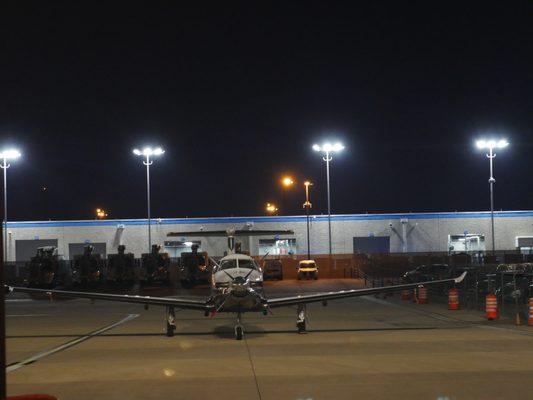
(100, 213)
(10, 154)
(148, 151)
(188, 244)
(492, 144)
(327, 147)
(307, 183)
(287, 181)
(271, 208)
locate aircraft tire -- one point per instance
(170, 330)
(239, 332)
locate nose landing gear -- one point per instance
(239, 329)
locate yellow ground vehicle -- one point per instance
(307, 269)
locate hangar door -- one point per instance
(26, 249)
(371, 244)
(75, 249)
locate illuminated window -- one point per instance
(277, 247)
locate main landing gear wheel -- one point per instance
(170, 330)
(300, 319)
(171, 321)
(239, 332)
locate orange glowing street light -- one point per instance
(100, 213)
(287, 181)
(271, 208)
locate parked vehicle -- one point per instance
(273, 269)
(307, 269)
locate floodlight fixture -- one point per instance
(148, 151)
(492, 144)
(10, 154)
(327, 147)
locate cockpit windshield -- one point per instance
(250, 264)
(228, 264)
(239, 263)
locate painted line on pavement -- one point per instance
(38, 356)
(17, 300)
(29, 315)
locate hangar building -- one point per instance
(370, 233)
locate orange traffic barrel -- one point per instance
(406, 294)
(530, 315)
(491, 307)
(422, 295)
(453, 299)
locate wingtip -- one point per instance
(461, 277)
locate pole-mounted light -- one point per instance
(490, 145)
(327, 149)
(5, 156)
(148, 152)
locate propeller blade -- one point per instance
(222, 304)
(248, 274)
(228, 274)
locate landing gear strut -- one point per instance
(300, 318)
(171, 321)
(239, 330)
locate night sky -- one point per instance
(238, 94)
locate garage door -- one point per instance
(26, 249)
(371, 244)
(75, 249)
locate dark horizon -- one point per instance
(238, 96)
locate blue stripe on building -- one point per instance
(273, 219)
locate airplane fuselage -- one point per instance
(237, 285)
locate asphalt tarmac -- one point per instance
(364, 348)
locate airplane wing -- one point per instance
(158, 301)
(316, 297)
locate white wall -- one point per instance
(426, 231)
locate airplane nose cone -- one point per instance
(239, 280)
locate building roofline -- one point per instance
(268, 219)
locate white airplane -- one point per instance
(236, 287)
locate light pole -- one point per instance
(327, 149)
(491, 145)
(307, 206)
(6, 155)
(148, 152)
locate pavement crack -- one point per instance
(253, 368)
